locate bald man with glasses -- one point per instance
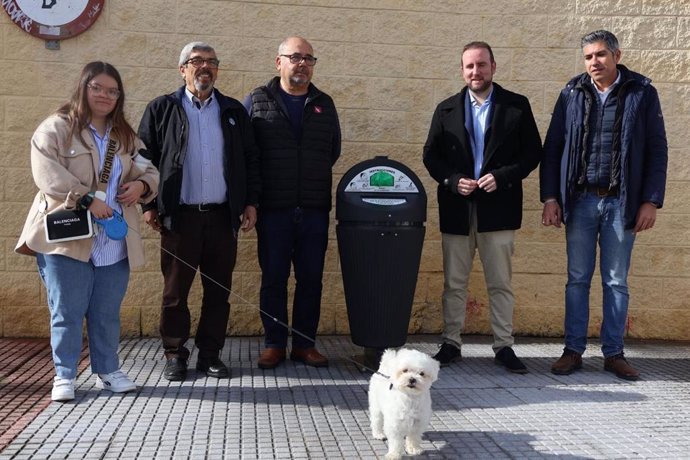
(298, 133)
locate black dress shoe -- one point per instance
(448, 354)
(213, 367)
(175, 369)
(506, 357)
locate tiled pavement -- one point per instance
(26, 375)
(480, 410)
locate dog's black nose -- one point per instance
(413, 381)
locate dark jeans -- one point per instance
(298, 237)
(203, 240)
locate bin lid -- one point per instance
(380, 190)
(381, 179)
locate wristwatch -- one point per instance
(100, 194)
(86, 200)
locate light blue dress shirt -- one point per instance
(203, 179)
(480, 114)
(104, 250)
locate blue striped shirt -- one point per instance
(480, 114)
(104, 250)
(203, 179)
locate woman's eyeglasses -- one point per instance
(97, 89)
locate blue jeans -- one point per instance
(298, 237)
(593, 219)
(78, 290)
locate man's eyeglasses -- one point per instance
(197, 62)
(112, 93)
(298, 58)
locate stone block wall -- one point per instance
(387, 64)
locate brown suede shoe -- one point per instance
(271, 357)
(309, 356)
(619, 366)
(569, 362)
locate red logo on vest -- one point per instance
(318, 109)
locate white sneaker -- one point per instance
(117, 382)
(63, 389)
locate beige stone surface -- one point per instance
(666, 7)
(387, 64)
(609, 7)
(664, 324)
(661, 261)
(25, 321)
(19, 185)
(678, 167)
(538, 290)
(3, 257)
(150, 319)
(426, 318)
(20, 289)
(130, 321)
(566, 29)
(675, 295)
(342, 324)
(643, 32)
(554, 64)
(538, 321)
(145, 288)
(244, 320)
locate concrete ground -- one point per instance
(480, 410)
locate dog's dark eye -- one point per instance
(404, 371)
(422, 374)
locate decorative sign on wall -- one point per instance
(53, 19)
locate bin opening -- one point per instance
(385, 201)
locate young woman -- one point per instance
(87, 278)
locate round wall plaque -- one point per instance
(53, 19)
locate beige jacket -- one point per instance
(65, 170)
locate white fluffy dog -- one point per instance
(400, 406)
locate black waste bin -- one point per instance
(381, 210)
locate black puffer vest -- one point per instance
(294, 173)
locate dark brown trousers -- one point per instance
(203, 240)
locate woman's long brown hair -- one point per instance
(78, 114)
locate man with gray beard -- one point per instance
(202, 142)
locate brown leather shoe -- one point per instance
(619, 366)
(309, 356)
(569, 362)
(271, 357)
